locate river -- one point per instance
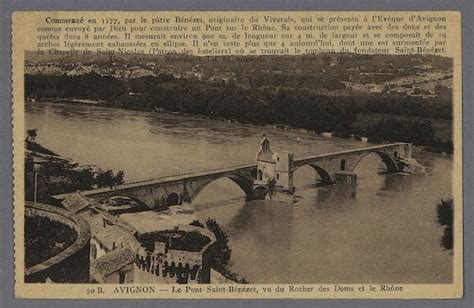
(383, 230)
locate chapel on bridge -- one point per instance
(274, 168)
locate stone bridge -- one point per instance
(171, 190)
(331, 167)
(328, 165)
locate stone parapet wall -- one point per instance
(72, 264)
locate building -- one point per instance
(113, 251)
(171, 250)
(114, 267)
(113, 246)
(145, 246)
(172, 260)
(274, 169)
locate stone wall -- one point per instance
(72, 264)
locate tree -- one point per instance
(31, 134)
(196, 223)
(119, 177)
(414, 131)
(109, 179)
(221, 253)
(105, 179)
(445, 218)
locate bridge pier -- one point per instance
(259, 193)
(281, 196)
(346, 177)
(410, 165)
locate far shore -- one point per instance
(353, 136)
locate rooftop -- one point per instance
(76, 202)
(151, 221)
(112, 262)
(114, 235)
(266, 156)
(95, 216)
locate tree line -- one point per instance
(60, 175)
(445, 210)
(413, 131)
(287, 106)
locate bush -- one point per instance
(221, 253)
(197, 223)
(59, 177)
(445, 218)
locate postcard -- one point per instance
(237, 154)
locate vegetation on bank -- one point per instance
(417, 132)
(285, 106)
(221, 252)
(59, 177)
(56, 175)
(445, 218)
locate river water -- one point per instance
(383, 230)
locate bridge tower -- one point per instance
(274, 170)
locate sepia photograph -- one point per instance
(329, 170)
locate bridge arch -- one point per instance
(260, 192)
(343, 165)
(325, 176)
(245, 183)
(172, 199)
(388, 159)
(141, 203)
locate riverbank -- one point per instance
(53, 174)
(440, 145)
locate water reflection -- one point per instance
(336, 193)
(268, 227)
(400, 182)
